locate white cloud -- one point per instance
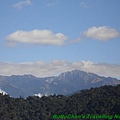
(20, 4)
(47, 37)
(55, 67)
(44, 37)
(50, 4)
(101, 33)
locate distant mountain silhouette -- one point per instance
(65, 83)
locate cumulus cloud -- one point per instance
(20, 4)
(101, 33)
(43, 37)
(55, 67)
(47, 37)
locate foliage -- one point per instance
(97, 101)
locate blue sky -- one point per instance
(61, 34)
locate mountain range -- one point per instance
(66, 83)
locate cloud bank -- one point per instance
(101, 33)
(55, 67)
(43, 37)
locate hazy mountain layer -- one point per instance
(65, 83)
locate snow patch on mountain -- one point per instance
(3, 92)
(40, 95)
(49, 80)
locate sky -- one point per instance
(48, 37)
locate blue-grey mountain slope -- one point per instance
(65, 83)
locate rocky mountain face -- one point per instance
(65, 83)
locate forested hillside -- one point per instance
(101, 103)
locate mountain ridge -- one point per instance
(65, 83)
